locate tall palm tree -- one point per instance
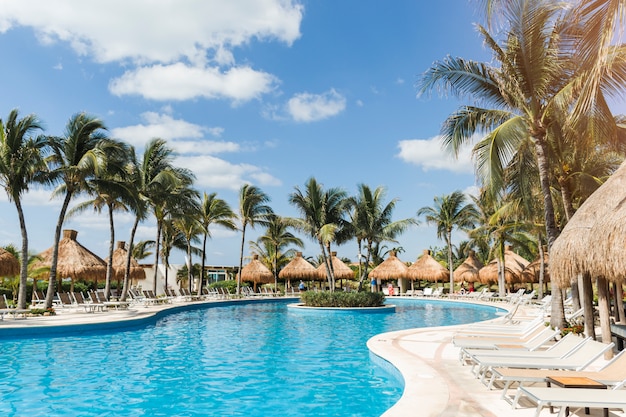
(21, 164)
(76, 157)
(253, 210)
(538, 79)
(321, 213)
(213, 211)
(371, 222)
(450, 212)
(188, 223)
(110, 191)
(277, 237)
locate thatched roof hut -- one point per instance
(119, 264)
(572, 253)
(427, 268)
(469, 270)
(513, 267)
(532, 270)
(75, 261)
(390, 268)
(9, 265)
(340, 269)
(256, 272)
(298, 268)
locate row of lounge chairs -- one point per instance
(525, 354)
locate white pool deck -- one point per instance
(436, 384)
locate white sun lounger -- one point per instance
(491, 342)
(560, 349)
(610, 374)
(573, 397)
(577, 360)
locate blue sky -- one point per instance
(270, 92)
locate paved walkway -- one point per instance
(436, 384)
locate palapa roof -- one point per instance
(74, 261)
(531, 272)
(593, 239)
(255, 271)
(298, 268)
(9, 265)
(119, 264)
(390, 268)
(340, 269)
(513, 267)
(427, 268)
(469, 270)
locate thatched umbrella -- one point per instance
(340, 269)
(532, 270)
(427, 268)
(513, 267)
(74, 260)
(256, 272)
(590, 243)
(298, 268)
(468, 271)
(390, 268)
(119, 265)
(9, 265)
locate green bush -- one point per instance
(230, 284)
(343, 299)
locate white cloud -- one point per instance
(157, 126)
(183, 82)
(428, 154)
(212, 173)
(147, 31)
(306, 107)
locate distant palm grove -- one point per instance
(540, 109)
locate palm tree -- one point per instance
(447, 213)
(538, 79)
(321, 216)
(213, 211)
(110, 190)
(76, 158)
(253, 210)
(276, 238)
(371, 222)
(188, 223)
(21, 164)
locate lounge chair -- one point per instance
(610, 374)
(577, 360)
(510, 331)
(80, 301)
(428, 292)
(574, 397)
(564, 347)
(6, 310)
(540, 343)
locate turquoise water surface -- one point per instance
(252, 359)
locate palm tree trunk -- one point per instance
(243, 239)
(557, 318)
(326, 264)
(21, 298)
(129, 255)
(189, 271)
(620, 315)
(566, 197)
(450, 266)
(202, 280)
(107, 283)
(542, 267)
(55, 251)
(156, 258)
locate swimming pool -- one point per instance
(253, 359)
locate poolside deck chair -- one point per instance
(80, 301)
(499, 331)
(428, 292)
(5, 310)
(556, 350)
(560, 349)
(577, 360)
(610, 374)
(574, 397)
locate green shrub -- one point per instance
(343, 299)
(230, 284)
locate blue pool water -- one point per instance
(254, 359)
